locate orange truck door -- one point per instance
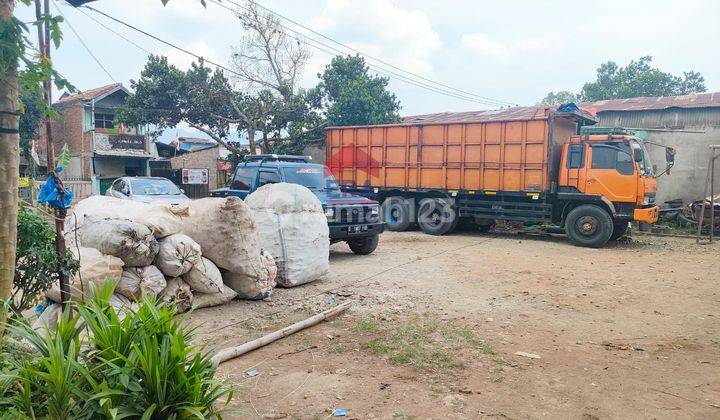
(611, 172)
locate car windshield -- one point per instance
(154, 187)
(313, 177)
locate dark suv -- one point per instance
(351, 218)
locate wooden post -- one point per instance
(233, 352)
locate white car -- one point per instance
(147, 189)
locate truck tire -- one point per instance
(364, 246)
(436, 216)
(619, 229)
(589, 226)
(396, 214)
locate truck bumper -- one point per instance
(647, 215)
(345, 232)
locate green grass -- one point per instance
(429, 346)
(487, 349)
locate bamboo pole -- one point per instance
(233, 352)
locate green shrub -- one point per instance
(36, 263)
(98, 364)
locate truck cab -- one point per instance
(610, 166)
(351, 218)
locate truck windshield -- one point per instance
(646, 167)
(313, 177)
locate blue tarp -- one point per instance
(50, 194)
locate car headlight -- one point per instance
(330, 212)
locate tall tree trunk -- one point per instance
(9, 170)
(251, 138)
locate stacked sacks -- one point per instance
(132, 242)
(207, 284)
(226, 231)
(94, 268)
(293, 229)
(178, 254)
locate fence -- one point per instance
(81, 188)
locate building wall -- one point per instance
(202, 159)
(67, 129)
(695, 130)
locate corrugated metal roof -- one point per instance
(698, 100)
(508, 114)
(91, 94)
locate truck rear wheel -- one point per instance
(364, 246)
(619, 229)
(396, 214)
(436, 216)
(589, 226)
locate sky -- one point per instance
(514, 51)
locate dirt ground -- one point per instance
(628, 331)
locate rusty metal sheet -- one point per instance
(699, 100)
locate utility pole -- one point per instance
(60, 213)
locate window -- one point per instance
(613, 156)
(268, 177)
(103, 120)
(121, 186)
(243, 178)
(576, 156)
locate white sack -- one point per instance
(138, 280)
(225, 229)
(204, 277)
(178, 253)
(121, 304)
(94, 268)
(161, 218)
(293, 229)
(132, 242)
(177, 292)
(204, 300)
(48, 320)
(251, 287)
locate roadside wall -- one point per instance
(202, 159)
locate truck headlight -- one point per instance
(330, 212)
(375, 211)
(648, 199)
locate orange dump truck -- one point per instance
(528, 164)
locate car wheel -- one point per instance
(589, 226)
(364, 246)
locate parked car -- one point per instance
(351, 218)
(147, 190)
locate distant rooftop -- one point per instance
(696, 100)
(90, 94)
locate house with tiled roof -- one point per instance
(101, 147)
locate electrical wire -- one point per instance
(497, 101)
(97, 60)
(383, 71)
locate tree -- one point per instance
(166, 96)
(351, 96)
(559, 97)
(639, 78)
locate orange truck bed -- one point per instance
(511, 150)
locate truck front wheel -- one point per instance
(364, 246)
(589, 226)
(396, 214)
(436, 216)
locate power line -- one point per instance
(113, 31)
(499, 102)
(97, 60)
(168, 43)
(389, 73)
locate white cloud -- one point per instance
(182, 60)
(402, 37)
(481, 43)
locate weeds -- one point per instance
(427, 346)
